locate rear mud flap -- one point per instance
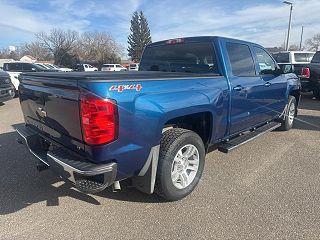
(146, 179)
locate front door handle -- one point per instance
(267, 84)
(238, 88)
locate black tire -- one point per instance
(286, 123)
(171, 142)
(316, 93)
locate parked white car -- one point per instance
(134, 67)
(112, 68)
(85, 68)
(58, 67)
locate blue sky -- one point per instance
(264, 22)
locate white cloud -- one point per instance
(264, 23)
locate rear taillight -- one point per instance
(305, 72)
(99, 119)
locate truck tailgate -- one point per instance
(51, 106)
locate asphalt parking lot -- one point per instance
(267, 189)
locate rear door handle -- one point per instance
(267, 84)
(238, 88)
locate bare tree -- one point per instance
(59, 42)
(37, 50)
(6, 53)
(98, 47)
(313, 43)
(294, 47)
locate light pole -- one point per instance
(301, 38)
(289, 27)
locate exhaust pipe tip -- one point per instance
(116, 187)
(41, 167)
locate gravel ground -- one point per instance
(267, 189)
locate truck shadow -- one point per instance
(22, 185)
(308, 103)
(307, 122)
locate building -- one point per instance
(125, 63)
(4, 60)
(28, 58)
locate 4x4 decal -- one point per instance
(121, 88)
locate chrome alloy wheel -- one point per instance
(291, 113)
(185, 166)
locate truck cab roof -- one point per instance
(198, 39)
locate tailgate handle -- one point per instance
(41, 112)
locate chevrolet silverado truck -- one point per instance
(7, 90)
(310, 79)
(306, 65)
(16, 68)
(155, 126)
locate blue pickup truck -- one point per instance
(155, 126)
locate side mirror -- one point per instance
(286, 68)
(33, 70)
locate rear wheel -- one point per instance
(181, 163)
(290, 114)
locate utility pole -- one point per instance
(289, 27)
(301, 38)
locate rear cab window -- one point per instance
(282, 57)
(241, 59)
(190, 57)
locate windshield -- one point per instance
(49, 66)
(40, 67)
(183, 57)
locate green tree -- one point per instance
(139, 36)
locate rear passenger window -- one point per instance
(240, 59)
(13, 67)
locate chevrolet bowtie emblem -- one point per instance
(41, 112)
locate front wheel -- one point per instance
(181, 163)
(290, 114)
